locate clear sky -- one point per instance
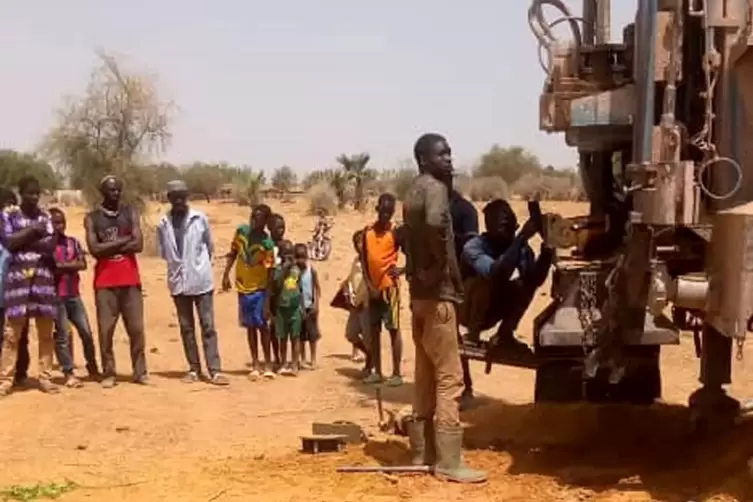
(295, 82)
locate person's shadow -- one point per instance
(600, 448)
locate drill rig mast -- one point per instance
(660, 121)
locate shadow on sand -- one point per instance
(601, 448)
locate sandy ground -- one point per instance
(179, 442)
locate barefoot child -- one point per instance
(310, 297)
(357, 295)
(252, 254)
(288, 315)
(276, 228)
(380, 251)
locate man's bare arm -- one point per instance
(136, 242)
(102, 249)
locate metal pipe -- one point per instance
(670, 137)
(386, 468)
(645, 48)
(603, 21)
(589, 21)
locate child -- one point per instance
(288, 316)
(356, 293)
(382, 275)
(311, 293)
(69, 262)
(253, 256)
(276, 228)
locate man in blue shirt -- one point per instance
(489, 261)
(185, 243)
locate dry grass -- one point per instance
(488, 188)
(321, 197)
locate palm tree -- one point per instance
(338, 180)
(355, 167)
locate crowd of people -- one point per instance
(278, 288)
(456, 276)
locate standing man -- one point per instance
(8, 201)
(380, 254)
(436, 435)
(114, 238)
(28, 283)
(185, 243)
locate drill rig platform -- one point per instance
(663, 124)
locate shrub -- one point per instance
(322, 196)
(401, 182)
(284, 179)
(547, 187)
(488, 188)
(314, 178)
(149, 232)
(463, 183)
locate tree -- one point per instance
(314, 177)
(250, 185)
(156, 176)
(114, 125)
(284, 179)
(355, 167)
(339, 180)
(205, 179)
(507, 163)
(15, 165)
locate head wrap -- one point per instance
(109, 177)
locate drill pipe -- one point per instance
(644, 77)
(394, 469)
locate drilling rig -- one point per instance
(663, 125)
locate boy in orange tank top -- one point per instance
(382, 275)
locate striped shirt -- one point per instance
(188, 272)
(4, 259)
(29, 284)
(68, 249)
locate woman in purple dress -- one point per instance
(29, 284)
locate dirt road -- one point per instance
(179, 442)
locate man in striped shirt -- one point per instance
(185, 243)
(29, 283)
(8, 200)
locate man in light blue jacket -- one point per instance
(185, 243)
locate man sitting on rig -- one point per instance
(488, 262)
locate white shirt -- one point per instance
(191, 273)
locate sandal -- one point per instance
(48, 387)
(72, 382)
(219, 379)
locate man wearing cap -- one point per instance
(185, 243)
(114, 238)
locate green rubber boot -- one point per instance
(450, 464)
(421, 439)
